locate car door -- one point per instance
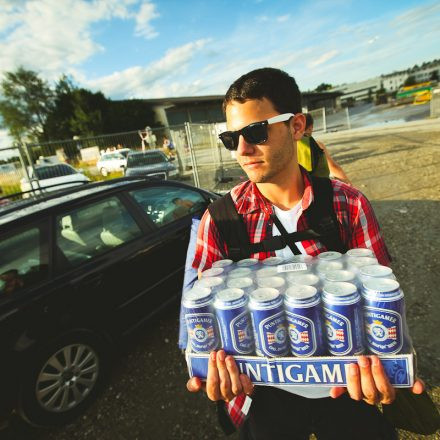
(171, 208)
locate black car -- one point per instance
(151, 163)
(79, 270)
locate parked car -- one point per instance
(52, 177)
(81, 269)
(150, 163)
(114, 161)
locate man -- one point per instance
(315, 158)
(263, 112)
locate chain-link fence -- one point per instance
(12, 172)
(330, 119)
(435, 103)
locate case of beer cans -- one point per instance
(298, 322)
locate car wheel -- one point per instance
(63, 379)
(104, 172)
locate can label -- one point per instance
(202, 331)
(272, 335)
(241, 332)
(339, 333)
(302, 334)
(384, 330)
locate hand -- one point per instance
(367, 381)
(224, 380)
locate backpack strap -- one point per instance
(321, 215)
(315, 153)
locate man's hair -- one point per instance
(309, 120)
(273, 84)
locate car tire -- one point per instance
(63, 379)
(104, 172)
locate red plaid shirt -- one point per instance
(357, 223)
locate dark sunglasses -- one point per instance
(255, 133)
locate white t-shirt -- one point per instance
(289, 219)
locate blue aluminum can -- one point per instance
(246, 284)
(247, 262)
(343, 318)
(214, 272)
(213, 283)
(329, 256)
(234, 321)
(277, 282)
(303, 314)
(200, 319)
(384, 316)
(342, 275)
(240, 272)
(375, 271)
(226, 265)
(272, 261)
(269, 322)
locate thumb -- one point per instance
(194, 385)
(335, 392)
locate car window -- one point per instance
(89, 231)
(165, 204)
(141, 159)
(21, 261)
(54, 171)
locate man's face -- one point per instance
(273, 160)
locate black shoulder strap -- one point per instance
(231, 226)
(321, 215)
(315, 153)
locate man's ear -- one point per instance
(298, 124)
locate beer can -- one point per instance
(247, 262)
(272, 261)
(269, 271)
(225, 264)
(304, 324)
(308, 260)
(214, 283)
(329, 256)
(343, 318)
(375, 271)
(213, 272)
(305, 279)
(359, 252)
(246, 284)
(240, 272)
(384, 316)
(342, 275)
(328, 266)
(356, 263)
(278, 283)
(234, 321)
(200, 319)
(268, 322)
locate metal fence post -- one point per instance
(31, 164)
(192, 155)
(324, 122)
(348, 118)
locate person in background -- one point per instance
(315, 158)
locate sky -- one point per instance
(168, 48)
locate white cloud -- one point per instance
(155, 80)
(372, 40)
(323, 58)
(146, 14)
(283, 18)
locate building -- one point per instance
(358, 91)
(207, 109)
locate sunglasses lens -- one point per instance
(230, 141)
(255, 133)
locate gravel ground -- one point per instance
(396, 167)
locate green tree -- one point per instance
(323, 87)
(434, 76)
(410, 81)
(26, 102)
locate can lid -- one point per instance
(339, 289)
(308, 279)
(302, 258)
(197, 293)
(376, 270)
(381, 285)
(239, 272)
(222, 263)
(327, 266)
(213, 272)
(275, 282)
(247, 262)
(340, 275)
(263, 294)
(362, 261)
(272, 261)
(230, 294)
(268, 271)
(300, 292)
(329, 256)
(240, 282)
(360, 252)
(209, 282)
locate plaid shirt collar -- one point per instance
(248, 198)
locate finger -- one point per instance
(418, 387)
(225, 380)
(354, 387)
(335, 392)
(368, 385)
(387, 393)
(247, 385)
(212, 379)
(194, 384)
(234, 375)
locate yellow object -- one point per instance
(422, 97)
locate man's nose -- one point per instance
(244, 147)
